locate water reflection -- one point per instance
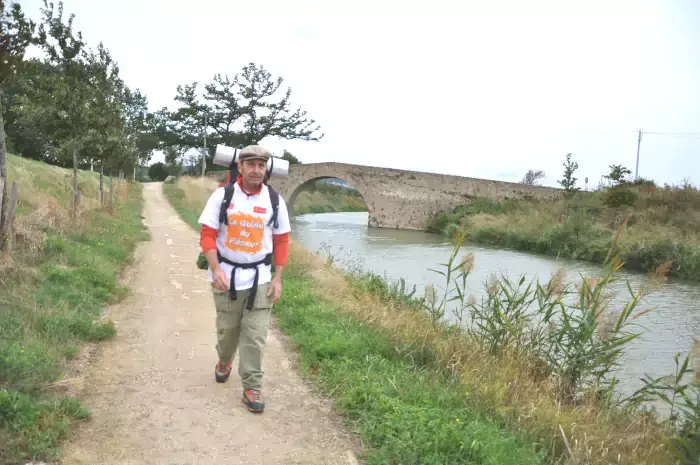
(410, 254)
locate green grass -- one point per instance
(176, 197)
(51, 300)
(404, 413)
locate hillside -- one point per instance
(54, 285)
(661, 223)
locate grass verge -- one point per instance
(53, 289)
(404, 411)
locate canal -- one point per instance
(397, 254)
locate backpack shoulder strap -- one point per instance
(228, 195)
(275, 200)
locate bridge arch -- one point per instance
(298, 180)
(301, 187)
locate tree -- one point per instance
(104, 136)
(59, 104)
(290, 158)
(157, 172)
(16, 34)
(173, 160)
(617, 174)
(532, 177)
(241, 110)
(568, 182)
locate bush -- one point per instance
(619, 196)
(157, 172)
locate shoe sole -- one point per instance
(251, 409)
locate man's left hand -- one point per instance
(275, 288)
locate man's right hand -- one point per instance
(221, 279)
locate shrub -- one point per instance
(620, 196)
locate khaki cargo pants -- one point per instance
(245, 330)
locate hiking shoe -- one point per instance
(253, 399)
(222, 373)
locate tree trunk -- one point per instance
(75, 168)
(74, 194)
(102, 182)
(3, 180)
(111, 192)
(134, 173)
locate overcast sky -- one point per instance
(482, 91)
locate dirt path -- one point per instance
(152, 392)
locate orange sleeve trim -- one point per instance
(281, 242)
(207, 238)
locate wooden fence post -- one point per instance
(111, 192)
(2, 217)
(10, 214)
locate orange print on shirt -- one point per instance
(245, 233)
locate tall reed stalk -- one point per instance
(573, 335)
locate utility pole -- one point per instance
(204, 153)
(639, 143)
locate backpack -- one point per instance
(202, 263)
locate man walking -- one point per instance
(239, 251)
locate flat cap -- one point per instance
(254, 152)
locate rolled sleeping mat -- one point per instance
(227, 156)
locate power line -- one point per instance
(679, 135)
(673, 133)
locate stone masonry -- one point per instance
(402, 199)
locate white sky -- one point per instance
(481, 91)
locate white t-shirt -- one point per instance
(247, 238)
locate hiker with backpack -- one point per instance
(245, 225)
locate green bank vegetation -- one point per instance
(327, 198)
(54, 285)
(663, 223)
(527, 381)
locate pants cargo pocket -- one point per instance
(228, 325)
(254, 329)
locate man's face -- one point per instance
(252, 171)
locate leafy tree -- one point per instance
(58, 105)
(173, 160)
(568, 182)
(532, 177)
(617, 174)
(290, 158)
(235, 111)
(157, 171)
(103, 137)
(16, 34)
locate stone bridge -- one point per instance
(403, 199)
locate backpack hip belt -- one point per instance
(246, 266)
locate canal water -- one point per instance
(410, 255)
